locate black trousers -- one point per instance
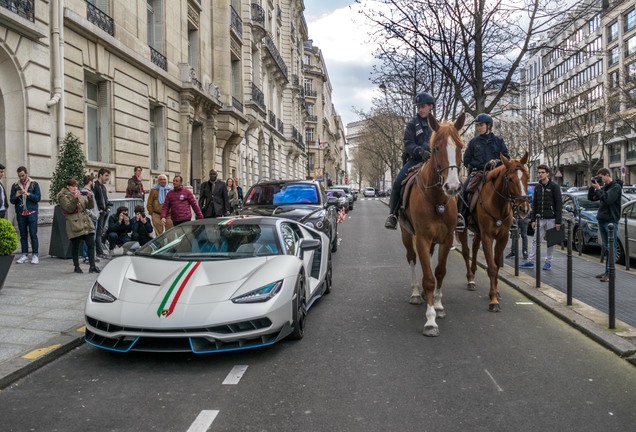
(75, 247)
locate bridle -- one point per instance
(512, 199)
(438, 171)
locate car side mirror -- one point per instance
(332, 201)
(307, 245)
(569, 208)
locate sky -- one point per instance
(336, 28)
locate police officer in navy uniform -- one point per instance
(481, 150)
(417, 135)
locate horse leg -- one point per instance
(428, 282)
(492, 270)
(470, 275)
(408, 240)
(473, 264)
(440, 273)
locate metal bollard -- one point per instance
(537, 257)
(515, 249)
(626, 243)
(612, 276)
(579, 234)
(569, 264)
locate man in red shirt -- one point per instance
(178, 203)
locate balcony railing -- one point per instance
(272, 118)
(237, 104)
(159, 59)
(23, 8)
(258, 97)
(311, 93)
(312, 118)
(273, 51)
(281, 126)
(631, 154)
(236, 23)
(615, 158)
(258, 14)
(100, 19)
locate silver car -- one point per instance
(628, 210)
(348, 192)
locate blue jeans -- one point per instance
(603, 229)
(394, 201)
(28, 226)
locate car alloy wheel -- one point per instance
(299, 309)
(329, 276)
(620, 253)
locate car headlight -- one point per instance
(592, 225)
(99, 294)
(261, 294)
(310, 224)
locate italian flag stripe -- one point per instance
(160, 311)
(182, 287)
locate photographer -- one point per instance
(608, 192)
(141, 226)
(119, 228)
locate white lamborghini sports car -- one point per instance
(211, 285)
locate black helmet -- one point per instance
(483, 118)
(424, 98)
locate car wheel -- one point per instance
(334, 243)
(620, 253)
(299, 309)
(329, 276)
(579, 242)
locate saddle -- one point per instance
(472, 193)
(407, 184)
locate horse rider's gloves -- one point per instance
(426, 155)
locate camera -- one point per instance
(84, 192)
(597, 179)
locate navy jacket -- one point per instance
(610, 197)
(417, 135)
(482, 149)
(547, 202)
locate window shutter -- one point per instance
(104, 120)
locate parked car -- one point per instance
(343, 202)
(305, 201)
(368, 192)
(350, 195)
(630, 192)
(211, 285)
(575, 203)
(629, 210)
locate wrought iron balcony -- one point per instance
(312, 118)
(237, 104)
(631, 154)
(236, 23)
(272, 118)
(258, 14)
(258, 97)
(311, 93)
(23, 8)
(615, 158)
(159, 59)
(294, 133)
(95, 16)
(273, 51)
(281, 126)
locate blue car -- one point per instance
(576, 203)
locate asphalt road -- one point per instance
(362, 366)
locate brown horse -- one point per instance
(503, 195)
(432, 213)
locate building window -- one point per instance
(154, 24)
(630, 46)
(310, 135)
(630, 20)
(613, 79)
(157, 139)
(309, 85)
(236, 79)
(306, 60)
(612, 31)
(613, 56)
(97, 122)
(630, 72)
(193, 48)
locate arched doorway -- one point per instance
(12, 118)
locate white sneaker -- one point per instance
(22, 259)
(35, 259)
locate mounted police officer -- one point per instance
(417, 135)
(481, 150)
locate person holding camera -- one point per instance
(548, 206)
(608, 192)
(79, 226)
(93, 212)
(119, 229)
(141, 226)
(103, 206)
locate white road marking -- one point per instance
(524, 303)
(493, 380)
(235, 375)
(203, 421)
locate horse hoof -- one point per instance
(416, 300)
(431, 331)
(471, 286)
(494, 308)
(440, 314)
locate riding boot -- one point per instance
(461, 211)
(391, 221)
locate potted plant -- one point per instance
(8, 244)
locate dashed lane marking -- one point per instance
(235, 375)
(493, 380)
(37, 353)
(203, 421)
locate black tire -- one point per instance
(329, 276)
(579, 244)
(620, 253)
(299, 310)
(334, 243)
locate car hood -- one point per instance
(298, 212)
(589, 215)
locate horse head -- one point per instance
(516, 182)
(446, 152)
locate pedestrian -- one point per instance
(608, 191)
(417, 135)
(483, 152)
(547, 207)
(25, 195)
(79, 227)
(104, 206)
(119, 229)
(239, 189)
(213, 199)
(156, 198)
(232, 194)
(135, 187)
(92, 212)
(178, 203)
(141, 226)
(522, 227)
(3, 195)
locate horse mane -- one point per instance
(494, 174)
(447, 130)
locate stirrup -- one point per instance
(461, 223)
(391, 222)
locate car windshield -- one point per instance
(335, 193)
(225, 240)
(347, 189)
(278, 194)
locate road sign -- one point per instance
(623, 170)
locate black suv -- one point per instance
(302, 200)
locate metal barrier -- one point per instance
(569, 264)
(612, 276)
(537, 257)
(626, 243)
(128, 202)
